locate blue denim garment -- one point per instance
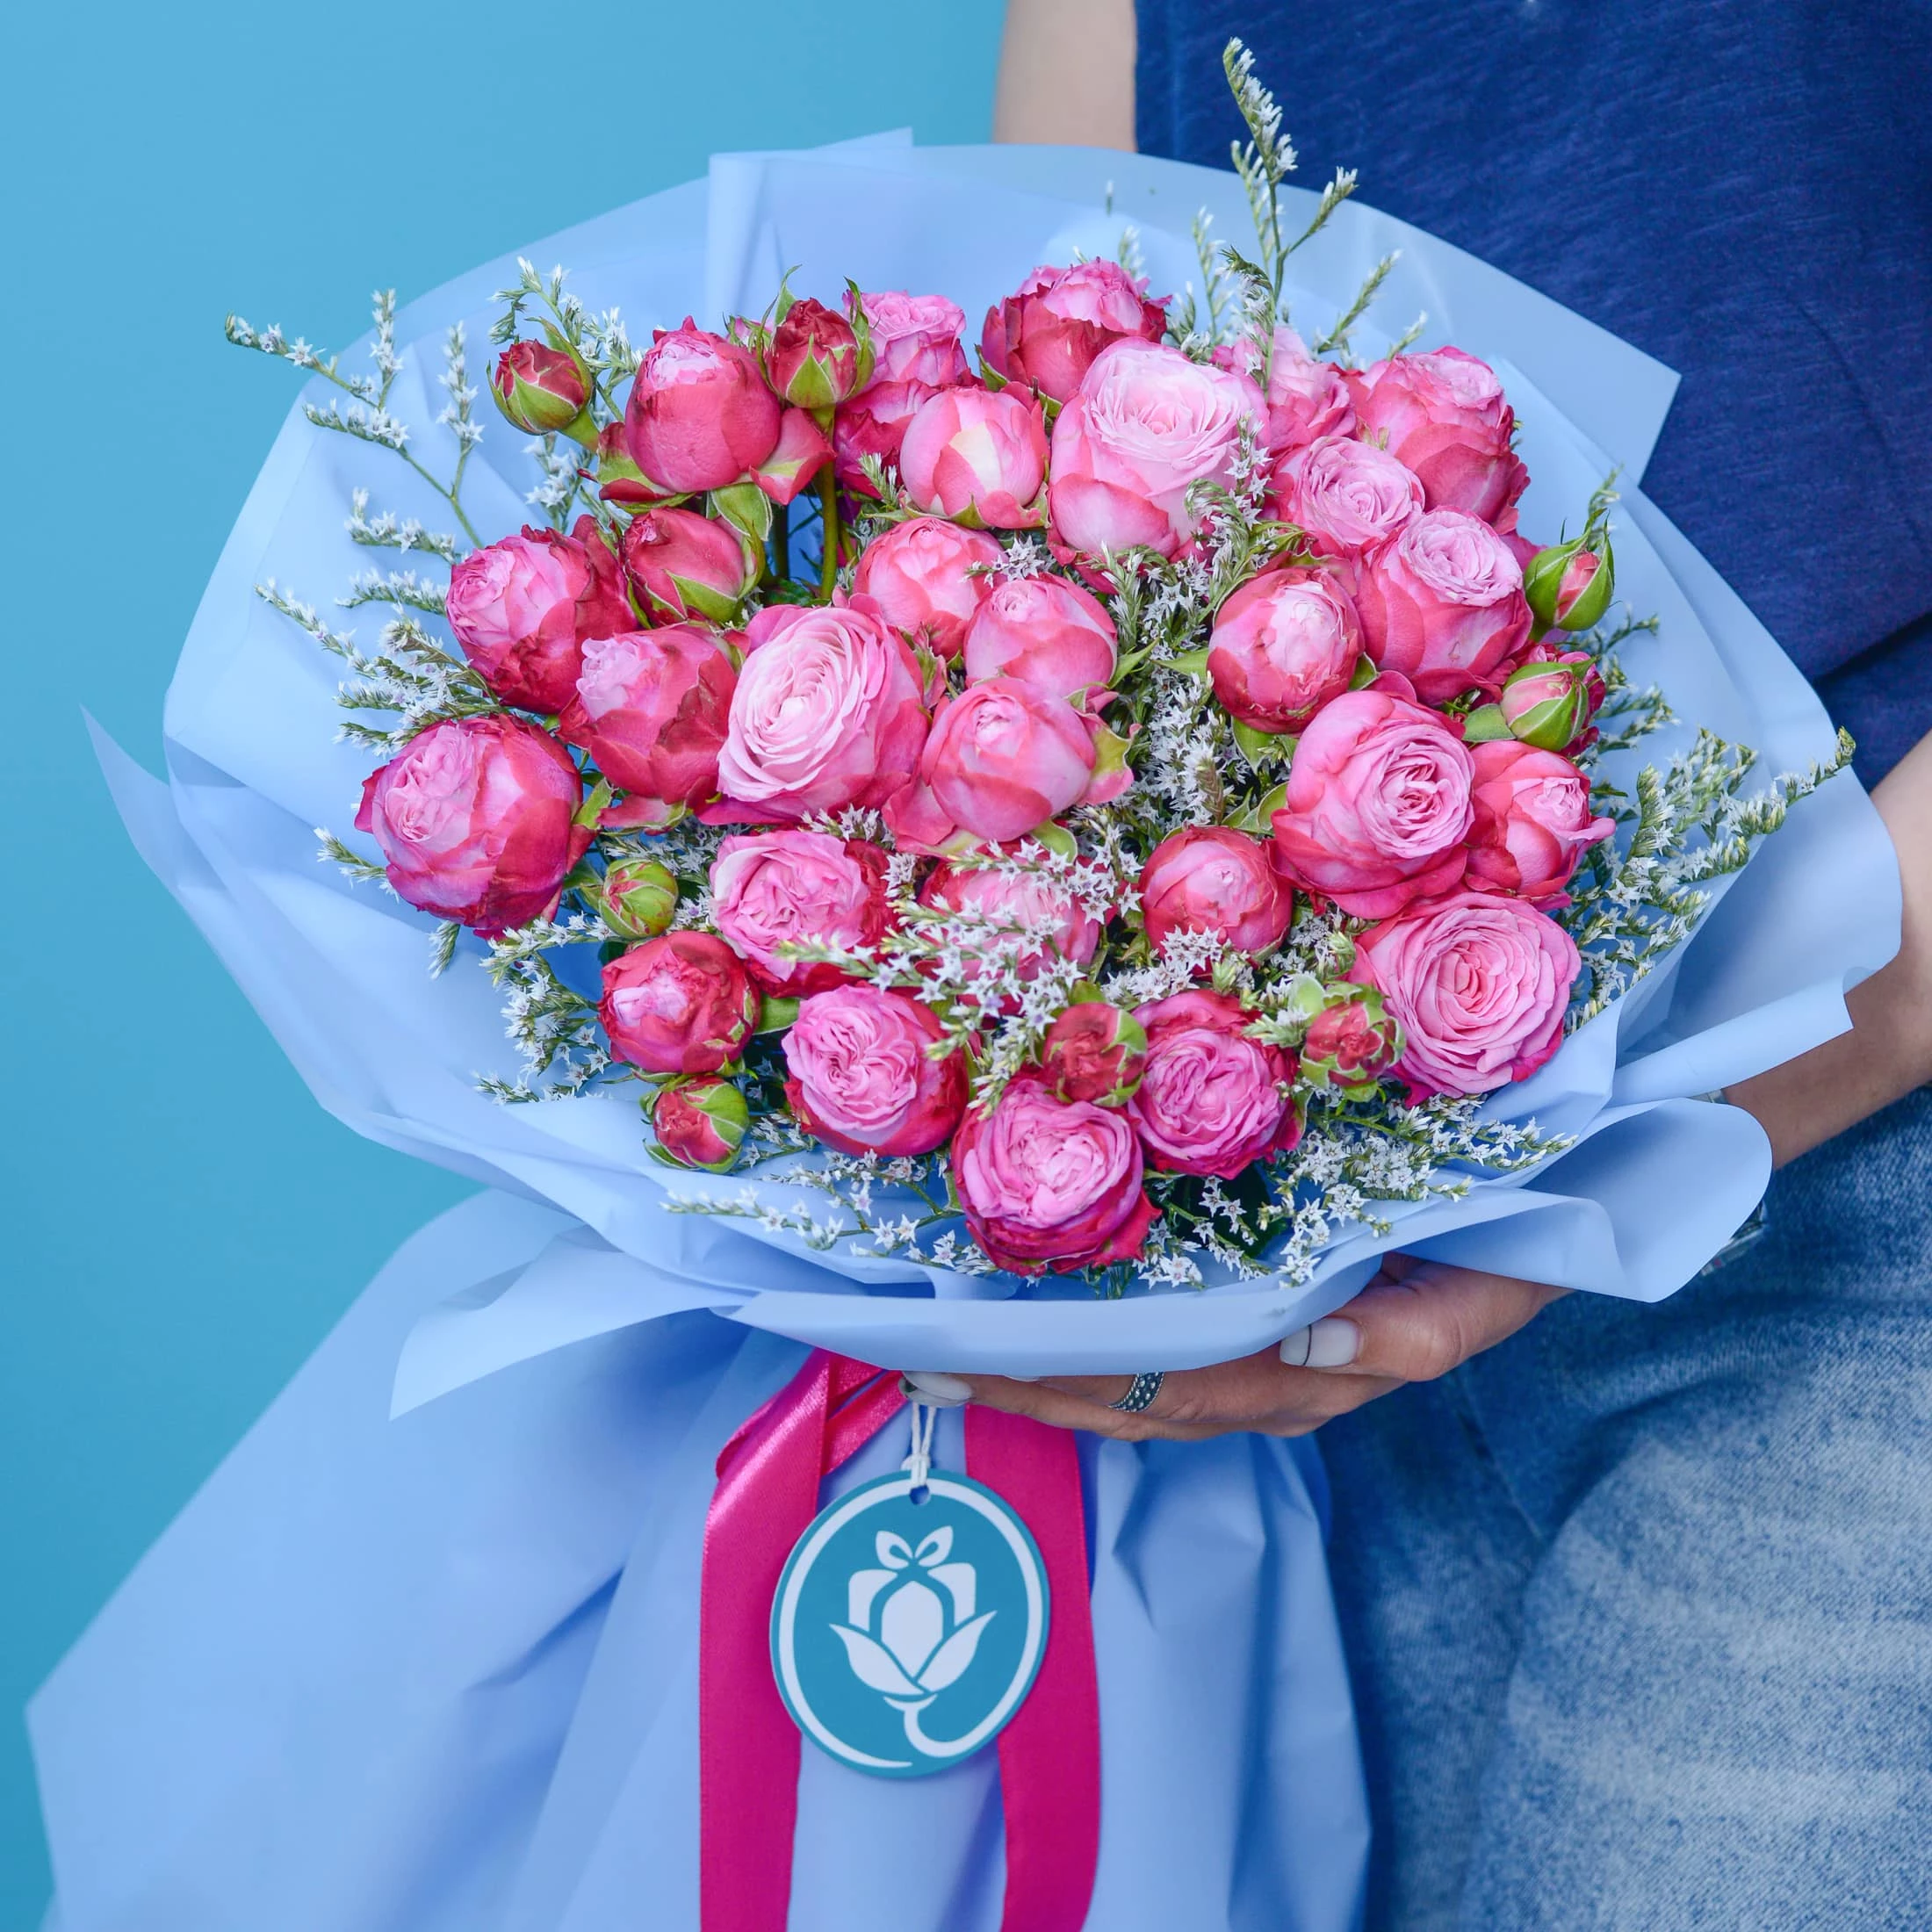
(1640, 1603)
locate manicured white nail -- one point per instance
(937, 1390)
(1333, 1342)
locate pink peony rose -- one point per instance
(861, 1078)
(1348, 496)
(816, 358)
(1211, 1098)
(1377, 805)
(1048, 332)
(523, 608)
(687, 566)
(1045, 632)
(1003, 902)
(1051, 1184)
(771, 887)
(1002, 758)
(701, 1124)
(682, 1003)
(1443, 414)
(1283, 645)
(476, 818)
(976, 457)
(827, 713)
(700, 415)
(1532, 822)
(1213, 879)
(1145, 424)
(1094, 1051)
(1443, 604)
(1307, 397)
(1480, 984)
(917, 574)
(915, 342)
(651, 709)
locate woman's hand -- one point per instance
(1415, 1321)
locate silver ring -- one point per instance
(1141, 1392)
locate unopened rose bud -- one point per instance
(1095, 1052)
(638, 898)
(1568, 586)
(1352, 1042)
(817, 358)
(701, 1124)
(1550, 703)
(541, 390)
(688, 566)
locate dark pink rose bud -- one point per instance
(1533, 822)
(1444, 416)
(701, 1124)
(651, 709)
(476, 818)
(540, 390)
(977, 457)
(816, 358)
(1047, 333)
(862, 1079)
(1212, 1098)
(1353, 1042)
(523, 608)
(1213, 879)
(1548, 701)
(682, 1003)
(1569, 585)
(1002, 758)
(687, 566)
(1047, 634)
(700, 415)
(1094, 1052)
(1283, 645)
(1051, 1184)
(921, 576)
(773, 889)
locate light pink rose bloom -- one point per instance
(1443, 605)
(700, 415)
(1051, 1184)
(1003, 902)
(861, 1078)
(827, 714)
(1145, 424)
(917, 573)
(1377, 805)
(1282, 646)
(916, 346)
(523, 608)
(1213, 879)
(1480, 984)
(772, 888)
(650, 709)
(976, 456)
(1533, 822)
(681, 1003)
(476, 820)
(1045, 632)
(1048, 332)
(1211, 1100)
(1348, 496)
(1445, 416)
(688, 566)
(1002, 758)
(1307, 397)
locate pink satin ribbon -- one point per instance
(1049, 1754)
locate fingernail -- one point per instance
(939, 1391)
(1333, 1342)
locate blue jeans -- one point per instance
(1640, 1602)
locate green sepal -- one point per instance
(593, 807)
(775, 1013)
(746, 509)
(1485, 725)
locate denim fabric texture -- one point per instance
(1640, 1603)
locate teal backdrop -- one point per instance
(181, 1222)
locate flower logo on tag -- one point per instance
(904, 1635)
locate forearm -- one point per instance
(1066, 73)
(1889, 1050)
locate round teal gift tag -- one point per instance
(904, 1635)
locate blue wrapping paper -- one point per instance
(440, 1670)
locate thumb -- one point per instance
(1416, 1329)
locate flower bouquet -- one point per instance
(1047, 853)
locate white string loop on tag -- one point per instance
(919, 1465)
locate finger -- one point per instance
(1419, 1327)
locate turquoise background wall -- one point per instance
(181, 1222)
